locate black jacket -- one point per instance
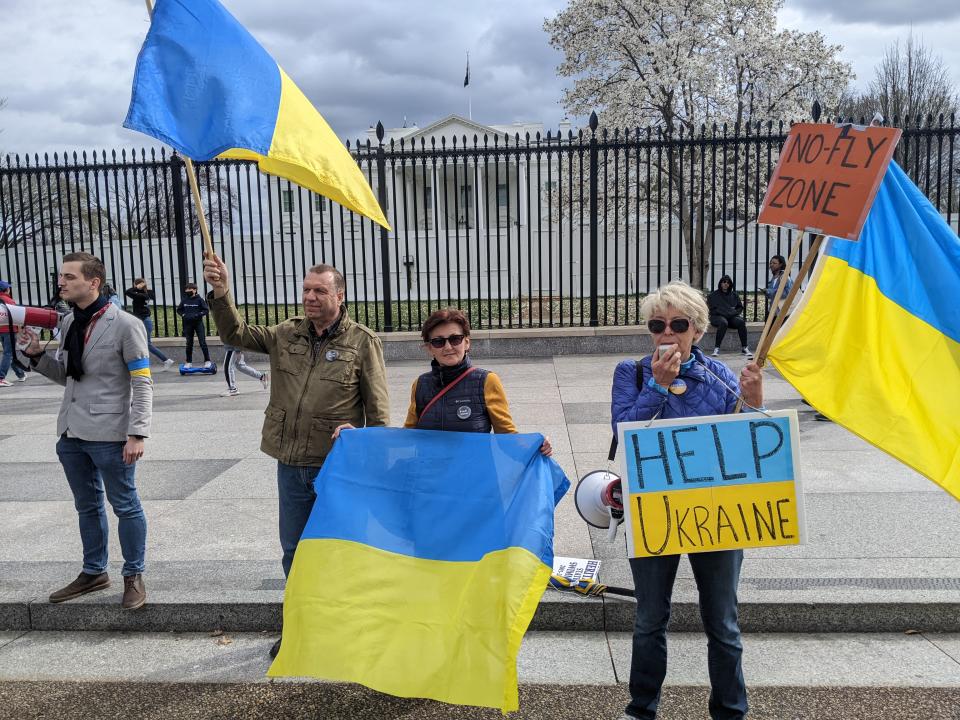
(193, 308)
(724, 304)
(141, 301)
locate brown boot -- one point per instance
(134, 592)
(84, 584)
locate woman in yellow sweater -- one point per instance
(455, 394)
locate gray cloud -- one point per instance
(358, 62)
(67, 76)
(883, 12)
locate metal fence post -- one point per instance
(384, 234)
(179, 223)
(594, 246)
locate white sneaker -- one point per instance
(746, 351)
(208, 364)
(167, 364)
(5, 383)
(22, 378)
(188, 365)
(232, 392)
(265, 380)
(716, 352)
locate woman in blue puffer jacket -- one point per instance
(680, 381)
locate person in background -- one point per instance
(110, 294)
(8, 333)
(679, 381)
(142, 296)
(726, 310)
(61, 306)
(777, 266)
(193, 309)
(455, 394)
(234, 361)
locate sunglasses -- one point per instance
(439, 342)
(678, 325)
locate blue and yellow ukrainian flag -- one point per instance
(422, 563)
(875, 341)
(204, 86)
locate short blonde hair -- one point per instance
(680, 296)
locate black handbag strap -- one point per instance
(615, 440)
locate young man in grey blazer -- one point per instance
(104, 364)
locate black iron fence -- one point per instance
(559, 229)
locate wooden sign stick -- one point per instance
(194, 189)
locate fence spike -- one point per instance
(594, 121)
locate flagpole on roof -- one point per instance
(194, 186)
(466, 84)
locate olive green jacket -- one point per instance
(311, 393)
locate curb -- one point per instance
(555, 613)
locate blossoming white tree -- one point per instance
(683, 67)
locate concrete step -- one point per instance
(562, 675)
(556, 612)
(247, 597)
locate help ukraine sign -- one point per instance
(712, 483)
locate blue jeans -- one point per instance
(717, 575)
(148, 323)
(7, 360)
(94, 469)
(296, 493)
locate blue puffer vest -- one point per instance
(462, 409)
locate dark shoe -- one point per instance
(821, 417)
(276, 647)
(134, 592)
(84, 584)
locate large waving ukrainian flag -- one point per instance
(205, 87)
(875, 342)
(422, 564)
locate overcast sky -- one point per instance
(66, 67)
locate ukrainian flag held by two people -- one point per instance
(422, 563)
(204, 86)
(875, 341)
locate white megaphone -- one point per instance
(599, 500)
(22, 315)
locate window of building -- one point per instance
(502, 195)
(286, 200)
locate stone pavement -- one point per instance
(882, 556)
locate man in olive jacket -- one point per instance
(327, 371)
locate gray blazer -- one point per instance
(114, 398)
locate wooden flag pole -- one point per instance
(195, 190)
(194, 187)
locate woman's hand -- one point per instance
(666, 366)
(345, 426)
(751, 385)
(546, 449)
